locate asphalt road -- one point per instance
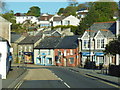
(65, 79)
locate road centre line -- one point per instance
(66, 84)
(61, 80)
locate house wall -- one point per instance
(4, 59)
(43, 56)
(65, 56)
(5, 29)
(22, 49)
(72, 21)
(56, 23)
(21, 19)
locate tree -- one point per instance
(34, 11)
(73, 2)
(113, 47)
(9, 16)
(98, 12)
(70, 10)
(61, 11)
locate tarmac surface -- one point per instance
(35, 76)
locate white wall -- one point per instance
(21, 19)
(72, 20)
(4, 65)
(36, 54)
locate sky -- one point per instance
(47, 6)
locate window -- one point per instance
(39, 60)
(98, 43)
(86, 44)
(102, 43)
(59, 60)
(71, 60)
(49, 52)
(71, 52)
(59, 53)
(30, 49)
(50, 60)
(65, 52)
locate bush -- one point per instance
(114, 70)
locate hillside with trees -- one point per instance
(98, 12)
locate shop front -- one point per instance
(28, 57)
(87, 56)
(99, 58)
(43, 59)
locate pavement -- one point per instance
(14, 76)
(97, 74)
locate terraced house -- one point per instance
(92, 43)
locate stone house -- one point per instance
(5, 29)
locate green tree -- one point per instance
(98, 12)
(61, 11)
(9, 16)
(113, 47)
(70, 10)
(34, 11)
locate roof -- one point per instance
(45, 18)
(14, 37)
(30, 40)
(49, 43)
(68, 42)
(57, 18)
(104, 25)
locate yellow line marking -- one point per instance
(103, 81)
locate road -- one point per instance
(58, 77)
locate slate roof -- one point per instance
(68, 42)
(30, 40)
(104, 25)
(14, 37)
(49, 43)
(44, 18)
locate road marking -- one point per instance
(66, 84)
(104, 82)
(109, 84)
(19, 84)
(98, 79)
(61, 80)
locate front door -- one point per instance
(65, 62)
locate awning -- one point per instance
(99, 54)
(85, 53)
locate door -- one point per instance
(65, 62)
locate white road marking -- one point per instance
(61, 80)
(66, 84)
(19, 84)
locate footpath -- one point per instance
(16, 73)
(97, 74)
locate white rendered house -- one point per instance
(21, 19)
(71, 20)
(5, 60)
